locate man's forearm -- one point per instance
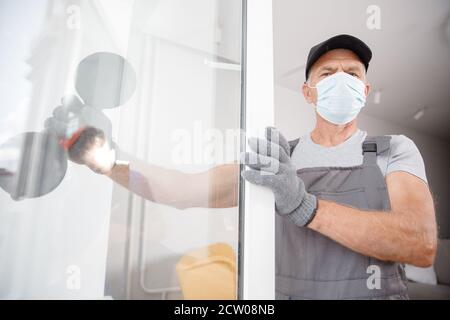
(389, 236)
(120, 174)
(215, 188)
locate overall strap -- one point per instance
(293, 144)
(373, 146)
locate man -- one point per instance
(351, 209)
(360, 203)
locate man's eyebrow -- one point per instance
(353, 68)
(326, 68)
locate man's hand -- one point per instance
(272, 167)
(93, 150)
(86, 133)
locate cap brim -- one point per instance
(342, 41)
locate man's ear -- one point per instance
(368, 89)
(307, 93)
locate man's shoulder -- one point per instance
(401, 144)
(405, 156)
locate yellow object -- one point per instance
(208, 273)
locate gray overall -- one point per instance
(312, 266)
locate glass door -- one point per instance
(120, 135)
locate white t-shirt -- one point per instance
(402, 156)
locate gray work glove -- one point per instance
(72, 115)
(271, 167)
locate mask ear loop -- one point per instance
(306, 82)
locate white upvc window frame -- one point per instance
(257, 238)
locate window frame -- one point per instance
(256, 278)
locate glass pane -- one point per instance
(119, 135)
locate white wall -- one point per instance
(295, 117)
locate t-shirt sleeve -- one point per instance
(405, 156)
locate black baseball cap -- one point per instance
(342, 41)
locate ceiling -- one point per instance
(411, 53)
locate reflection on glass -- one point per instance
(105, 80)
(33, 163)
(118, 135)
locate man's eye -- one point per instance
(326, 74)
(354, 74)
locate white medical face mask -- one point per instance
(340, 98)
